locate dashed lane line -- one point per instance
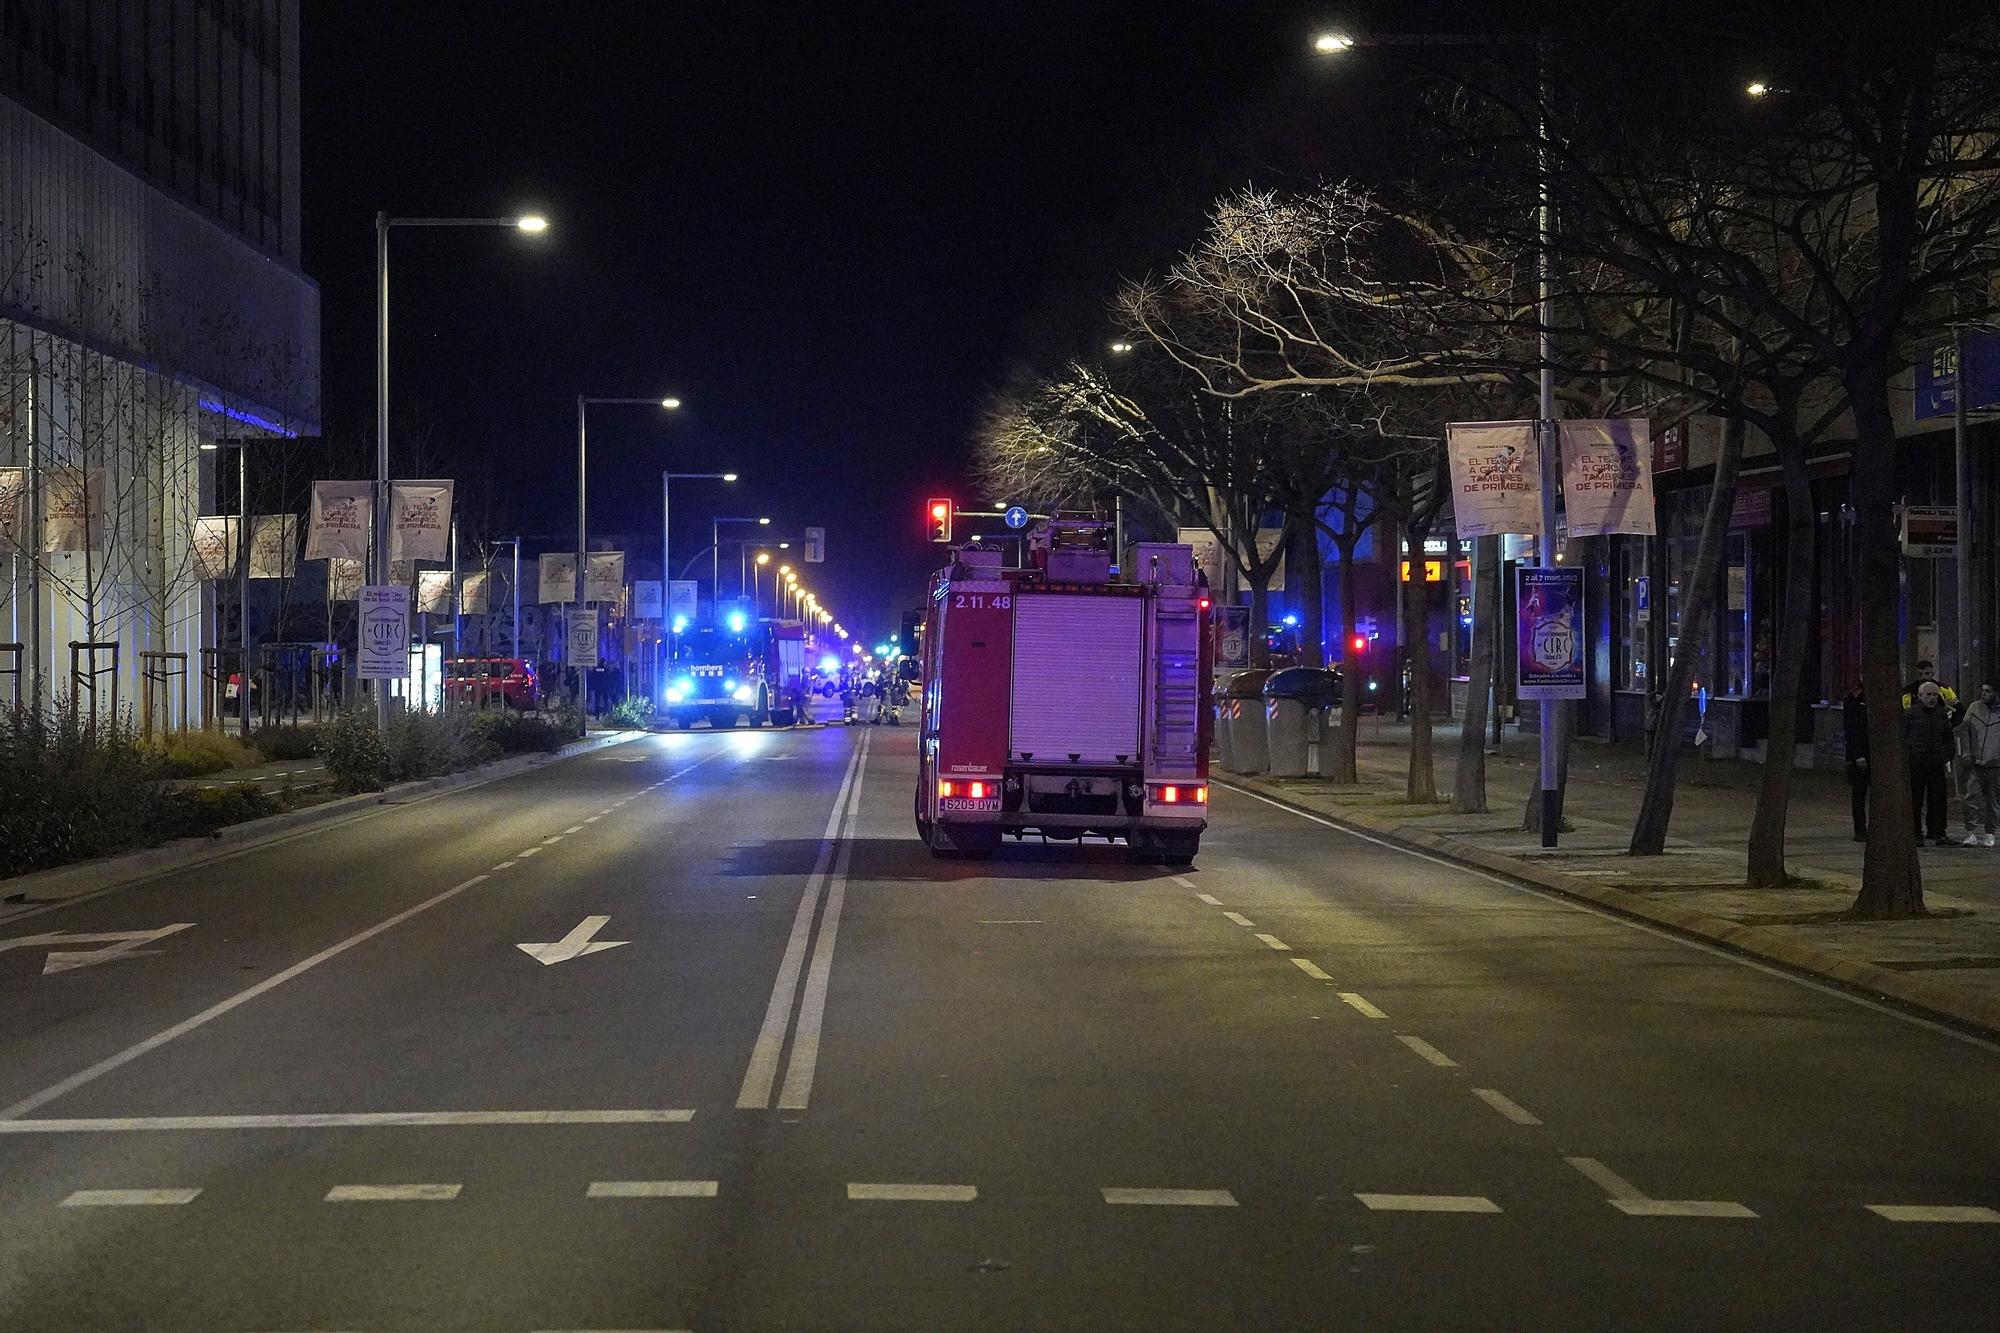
(1428, 1203)
(593, 819)
(1273, 942)
(573, 828)
(1428, 1051)
(1311, 969)
(346, 1120)
(1922, 1212)
(911, 1193)
(1170, 1198)
(1239, 918)
(651, 1189)
(1630, 1200)
(1507, 1106)
(1210, 899)
(1184, 881)
(525, 853)
(504, 865)
(425, 1193)
(127, 1198)
(553, 837)
(1356, 1002)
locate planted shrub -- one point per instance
(631, 711)
(287, 742)
(355, 754)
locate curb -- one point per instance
(64, 883)
(1771, 944)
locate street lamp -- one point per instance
(583, 401)
(756, 582)
(378, 555)
(667, 479)
(715, 552)
(1333, 43)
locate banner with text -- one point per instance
(72, 508)
(344, 578)
(1494, 483)
(646, 600)
(420, 520)
(582, 640)
(212, 545)
(558, 571)
(13, 508)
(434, 592)
(683, 600)
(274, 546)
(1549, 606)
(338, 522)
(472, 594)
(604, 580)
(385, 632)
(1608, 476)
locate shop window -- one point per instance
(1635, 615)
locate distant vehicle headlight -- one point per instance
(744, 694)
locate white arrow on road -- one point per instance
(573, 945)
(119, 944)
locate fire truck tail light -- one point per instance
(946, 788)
(1179, 794)
(976, 790)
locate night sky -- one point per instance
(832, 230)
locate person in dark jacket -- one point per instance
(1854, 721)
(1927, 735)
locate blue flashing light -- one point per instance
(737, 622)
(729, 685)
(1465, 620)
(1293, 621)
(829, 663)
(680, 624)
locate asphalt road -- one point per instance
(822, 1081)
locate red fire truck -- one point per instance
(1062, 702)
(753, 669)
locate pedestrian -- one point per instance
(1927, 671)
(1854, 721)
(1979, 736)
(1927, 736)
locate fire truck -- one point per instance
(1062, 702)
(741, 669)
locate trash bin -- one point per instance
(1296, 703)
(1243, 717)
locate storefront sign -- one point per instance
(1752, 508)
(1930, 530)
(1938, 373)
(340, 516)
(1607, 476)
(1549, 607)
(1494, 483)
(1670, 448)
(385, 632)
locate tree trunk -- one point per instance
(1260, 619)
(1421, 784)
(1468, 792)
(1343, 767)
(1656, 806)
(1308, 570)
(1774, 790)
(1891, 878)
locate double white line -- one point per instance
(829, 881)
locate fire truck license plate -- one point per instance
(967, 804)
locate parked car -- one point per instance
(494, 682)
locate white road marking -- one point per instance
(217, 1010)
(1507, 1106)
(505, 865)
(1184, 881)
(1210, 899)
(593, 819)
(1428, 1051)
(1311, 969)
(1012, 921)
(1630, 1200)
(913, 1193)
(524, 855)
(126, 1198)
(606, 810)
(1172, 1198)
(1930, 1212)
(1239, 918)
(576, 944)
(763, 1069)
(812, 1008)
(117, 944)
(1272, 941)
(1429, 1203)
(344, 1120)
(573, 828)
(651, 1189)
(553, 837)
(392, 1193)
(1354, 1001)
(1630, 923)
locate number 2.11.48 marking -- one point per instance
(979, 601)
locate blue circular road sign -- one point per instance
(1017, 517)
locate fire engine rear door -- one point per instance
(1077, 680)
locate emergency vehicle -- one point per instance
(744, 669)
(1061, 702)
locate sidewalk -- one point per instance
(1949, 962)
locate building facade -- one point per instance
(151, 310)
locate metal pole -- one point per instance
(1968, 632)
(1545, 430)
(378, 568)
(666, 547)
(38, 685)
(243, 587)
(715, 572)
(582, 692)
(517, 597)
(457, 601)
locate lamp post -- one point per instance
(715, 555)
(1336, 42)
(378, 553)
(667, 479)
(756, 582)
(515, 584)
(583, 402)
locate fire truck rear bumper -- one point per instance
(1162, 821)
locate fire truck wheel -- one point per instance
(923, 825)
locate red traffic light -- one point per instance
(1360, 644)
(939, 513)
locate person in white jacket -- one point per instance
(1979, 740)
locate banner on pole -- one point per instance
(1608, 477)
(1208, 557)
(338, 522)
(13, 507)
(72, 508)
(385, 632)
(434, 592)
(1495, 482)
(1549, 606)
(683, 600)
(274, 546)
(344, 578)
(558, 571)
(420, 520)
(604, 577)
(213, 546)
(646, 600)
(583, 640)
(473, 599)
